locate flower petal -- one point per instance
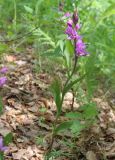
(5, 148)
(2, 81)
(4, 70)
(67, 14)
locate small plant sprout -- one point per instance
(4, 140)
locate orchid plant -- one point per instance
(59, 90)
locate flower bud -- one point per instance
(75, 17)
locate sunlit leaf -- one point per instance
(73, 115)
(63, 126)
(90, 111)
(8, 138)
(56, 90)
(28, 9)
(77, 127)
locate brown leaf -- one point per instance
(19, 155)
(90, 155)
(10, 58)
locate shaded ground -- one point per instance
(29, 112)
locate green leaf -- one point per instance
(71, 84)
(1, 156)
(73, 115)
(63, 126)
(1, 105)
(89, 111)
(68, 51)
(57, 52)
(67, 58)
(37, 7)
(28, 9)
(61, 44)
(77, 127)
(69, 47)
(56, 90)
(108, 12)
(90, 70)
(8, 138)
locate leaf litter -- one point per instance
(29, 111)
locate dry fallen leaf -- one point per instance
(90, 155)
(10, 58)
(19, 155)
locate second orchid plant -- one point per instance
(3, 80)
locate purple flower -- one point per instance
(2, 81)
(77, 26)
(4, 70)
(2, 147)
(70, 23)
(80, 48)
(67, 14)
(71, 32)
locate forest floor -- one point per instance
(29, 112)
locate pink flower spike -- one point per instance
(75, 17)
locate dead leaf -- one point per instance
(10, 58)
(19, 155)
(90, 155)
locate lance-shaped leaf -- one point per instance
(56, 90)
(71, 84)
(63, 126)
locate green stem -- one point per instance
(58, 115)
(69, 78)
(73, 99)
(1, 156)
(71, 72)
